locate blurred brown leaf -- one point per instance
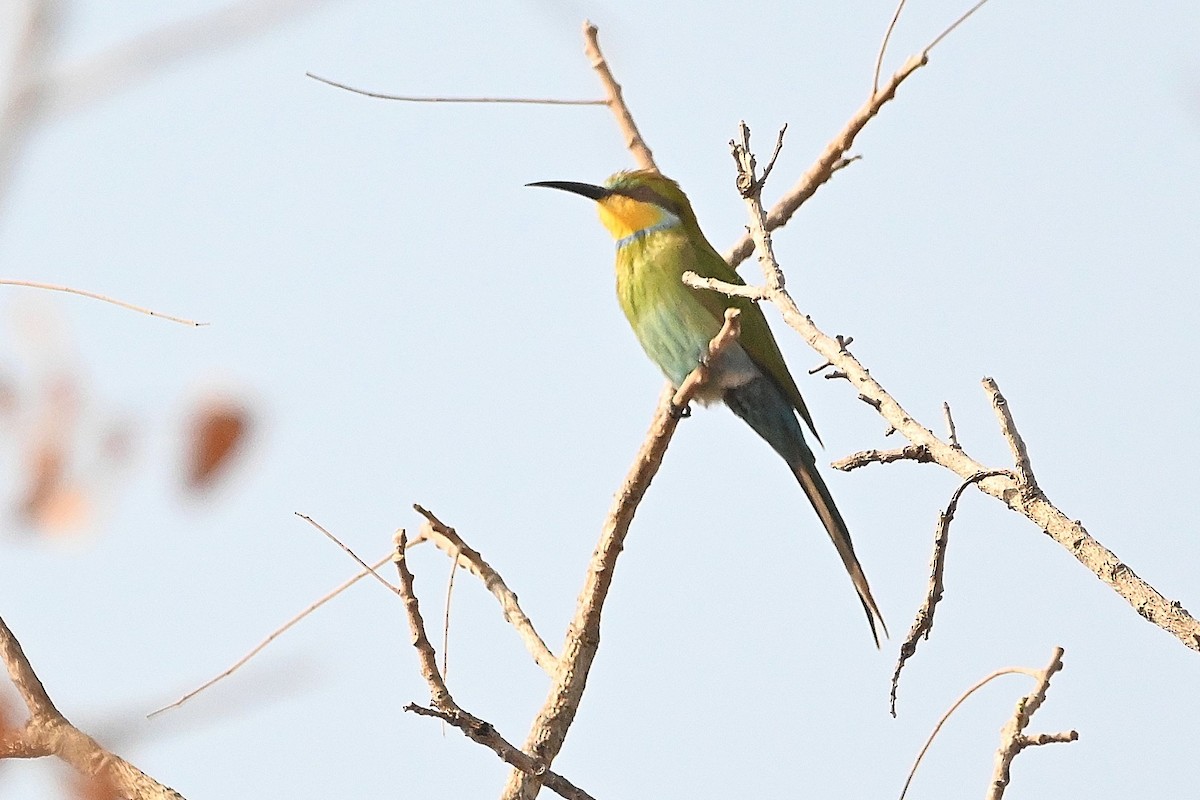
(218, 430)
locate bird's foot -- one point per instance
(680, 412)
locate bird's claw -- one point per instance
(680, 412)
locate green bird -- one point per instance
(659, 239)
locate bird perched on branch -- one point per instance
(658, 239)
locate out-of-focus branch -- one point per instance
(583, 636)
(48, 733)
(444, 706)
(54, 287)
(449, 542)
(98, 76)
(616, 101)
(1012, 736)
(258, 648)
(1016, 489)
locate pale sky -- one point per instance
(410, 324)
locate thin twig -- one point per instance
(616, 100)
(276, 634)
(425, 99)
(1013, 738)
(382, 580)
(750, 292)
(446, 615)
(53, 287)
(910, 452)
(951, 432)
(751, 189)
(962, 699)
(448, 541)
(923, 623)
(485, 734)
(950, 28)
(883, 47)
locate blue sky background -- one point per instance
(410, 324)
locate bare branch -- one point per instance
(382, 580)
(962, 699)
(1012, 737)
(923, 624)
(911, 452)
(549, 730)
(1015, 443)
(754, 293)
(616, 101)
(730, 330)
(834, 156)
(448, 541)
(951, 27)
(1019, 493)
(48, 733)
(425, 99)
(484, 733)
(439, 694)
(951, 432)
(53, 287)
(826, 164)
(444, 706)
(277, 633)
(751, 190)
(884, 45)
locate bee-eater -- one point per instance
(659, 239)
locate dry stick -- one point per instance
(53, 287)
(616, 101)
(910, 452)
(1012, 737)
(449, 542)
(962, 699)
(951, 432)
(583, 636)
(1019, 493)
(48, 733)
(276, 634)
(444, 706)
(887, 37)
(923, 624)
(426, 99)
(834, 157)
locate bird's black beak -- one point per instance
(586, 189)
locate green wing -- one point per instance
(756, 338)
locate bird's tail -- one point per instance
(765, 409)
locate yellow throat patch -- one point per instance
(624, 216)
